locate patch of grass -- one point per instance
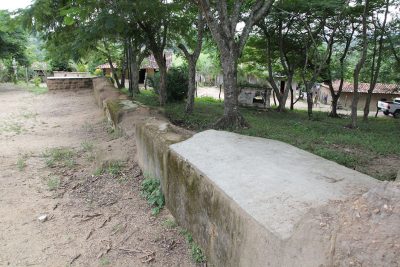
(29, 115)
(170, 223)
(195, 251)
(147, 97)
(21, 162)
(104, 261)
(323, 136)
(53, 183)
(88, 127)
(35, 89)
(114, 133)
(12, 127)
(98, 171)
(114, 167)
(87, 146)
(151, 191)
(59, 156)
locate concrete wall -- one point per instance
(292, 215)
(346, 99)
(71, 74)
(68, 83)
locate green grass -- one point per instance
(59, 157)
(147, 97)
(53, 183)
(87, 146)
(21, 162)
(37, 90)
(196, 252)
(323, 136)
(169, 223)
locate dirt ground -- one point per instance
(52, 148)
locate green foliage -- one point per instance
(13, 39)
(170, 223)
(148, 98)
(114, 167)
(53, 183)
(195, 250)
(87, 146)
(98, 72)
(21, 162)
(37, 81)
(151, 191)
(59, 157)
(177, 83)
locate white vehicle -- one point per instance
(390, 107)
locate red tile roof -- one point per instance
(148, 63)
(380, 88)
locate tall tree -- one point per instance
(194, 44)
(378, 47)
(359, 65)
(224, 19)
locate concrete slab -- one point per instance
(275, 183)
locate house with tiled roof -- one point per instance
(147, 68)
(381, 91)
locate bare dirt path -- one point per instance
(58, 159)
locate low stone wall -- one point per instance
(258, 202)
(68, 83)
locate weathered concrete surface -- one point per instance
(257, 202)
(274, 182)
(68, 83)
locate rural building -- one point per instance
(40, 69)
(147, 68)
(381, 91)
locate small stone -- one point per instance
(43, 218)
(376, 211)
(385, 207)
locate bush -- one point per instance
(98, 72)
(177, 83)
(36, 81)
(151, 191)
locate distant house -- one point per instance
(40, 68)
(381, 91)
(147, 68)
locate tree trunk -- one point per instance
(192, 85)
(358, 67)
(232, 117)
(291, 99)
(335, 100)
(114, 72)
(135, 74)
(367, 104)
(124, 63)
(163, 85)
(309, 104)
(162, 66)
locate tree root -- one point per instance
(231, 121)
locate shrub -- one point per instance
(98, 72)
(151, 190)
(177, 83)
(37, 81)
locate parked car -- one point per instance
(390, 107)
